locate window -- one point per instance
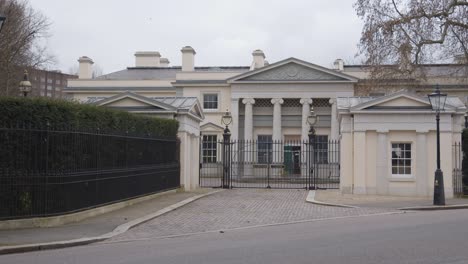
(264, 149)
(210, 101)
(209, 148)
(401, 159)
(322, 148)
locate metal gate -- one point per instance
(265, 163)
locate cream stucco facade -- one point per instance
(274, 100)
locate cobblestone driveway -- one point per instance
(239, 208)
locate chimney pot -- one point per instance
(188, 58)
(165, 62)
(85, 70)
(339, 65)
(258, 59)
(147, 59)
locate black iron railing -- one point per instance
(47, 171)
(457, 174)
(273, 164)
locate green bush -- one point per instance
(36, 112)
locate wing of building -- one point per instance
(271, 102)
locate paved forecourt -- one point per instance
(240, 208)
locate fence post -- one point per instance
(312, 154)
(47, 170)
(226, 164)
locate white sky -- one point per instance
(223, 33)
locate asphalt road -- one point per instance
(423, 237)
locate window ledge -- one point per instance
(211, 111)
(405, 178)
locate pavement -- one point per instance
(433, 237)
(240, 208)
(98, 225)
(208, 211)
(335, 198)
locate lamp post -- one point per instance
(25, 85)
(2, 21)
(437, 101)
(226, 120)
(312, 119)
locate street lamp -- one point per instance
(437, 101)
(312, 119)
(226, 120)
(25, 85)
(2, 21)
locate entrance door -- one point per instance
(292, 160)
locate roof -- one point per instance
(168, 73)
(293, 69)
(431, 70)
(357, 102)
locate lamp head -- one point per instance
(437, 100)
(226, 119)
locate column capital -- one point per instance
(332, 101)
(248, 101)
(306, 101)
(277, 101)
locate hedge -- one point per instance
(34, 112)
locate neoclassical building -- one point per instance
(268, 102)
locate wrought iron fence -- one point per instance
(265, 163)
(47, 171)
(458, 187)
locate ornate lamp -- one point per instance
(312, 119)
(437, 100)
(226, 120)
(25, 85)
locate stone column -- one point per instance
(277, 136)
(306, 102)
(248, 125)
(360, 185)
(423, 177)
(334, 135)
(248, 146)
(382, 163)
(235, 118)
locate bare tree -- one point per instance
(21, 43)
(409, 33)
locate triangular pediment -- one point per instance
(133, 100)
(293, 70)
(130, 102)
(398, 101)
(211, 127)
(196, 110)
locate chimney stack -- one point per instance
(188, 58)
(164, 62)
(85, 70)
(147, 59)
(339, 65)
(258, 59)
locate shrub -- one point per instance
(36, 112)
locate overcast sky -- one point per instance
(222, 32)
